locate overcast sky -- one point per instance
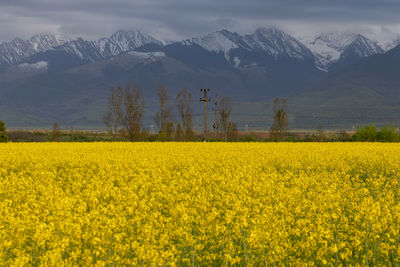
(178, 19)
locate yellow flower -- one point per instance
(177, 204)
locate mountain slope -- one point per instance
(20, 51)
(123, 41)
(339, 49)
(17, 50)
(69, 83)
(277, 44)
(277, 54)
(270, 44)
(365, 92)
(392, 44)
(76, 95)
(219, 42)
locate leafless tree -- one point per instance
(233, 134)
(170, 130)
(320, 133)
(114, 117)
(134, 108)
(225, 109)
(179, 134)
(184, 104)
(343, 136)
(163, 117)
(56, 132)
(279, 126)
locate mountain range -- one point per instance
(50, 78)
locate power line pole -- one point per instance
(205, 99)
(215, 125)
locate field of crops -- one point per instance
(199, 203)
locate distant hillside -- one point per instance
(365, 92)
(339, 80)
(335, 50)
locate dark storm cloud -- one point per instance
(180, 18)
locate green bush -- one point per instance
(370, 134)
(248, 138)
(388, 134)
(162, 136)
(367, 133)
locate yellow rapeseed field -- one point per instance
(199, 204)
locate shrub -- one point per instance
(388, 134)
(248, 138)
(3, 133)
(367, 133)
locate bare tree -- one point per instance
(56, 132)
(320, 133)
(170, 130)
(134, 108)
(343, 136)
(179, 134)
(225, 109)
(232, 134)
(114, 117)
(184, 104)
(163, 117)
(279, 126)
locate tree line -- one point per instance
(126, 106)
(370, 133)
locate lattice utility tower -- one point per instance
(205, 99)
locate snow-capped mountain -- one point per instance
(87, 51)
(334, 47)
(123, 41)
(260, 48)
(18, 49)
(392, 44)
(270, 42)
(220, 42)
(276, 43)
(55, 78)
(120, 42)
(43, 42)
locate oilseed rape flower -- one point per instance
(199, 204)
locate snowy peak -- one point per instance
(85, 50)
(392, 44)
(338, 41)
(18, 49)
(267, 41)
(277, 43)
(220, 41)
(123, 41)
(330, 48)
(132, 39)
(88, 51)
(364, 47)
(43, 42)
(263, 46)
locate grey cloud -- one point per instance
(182, 18)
